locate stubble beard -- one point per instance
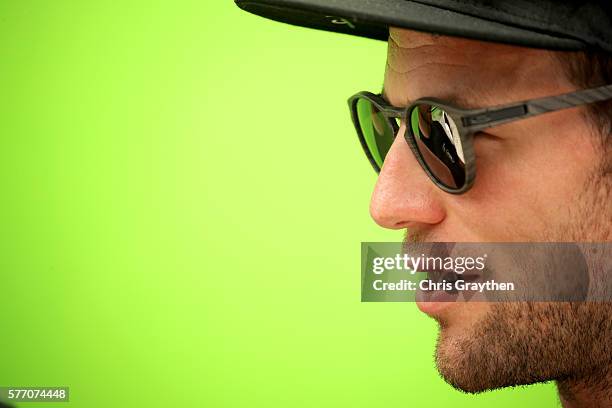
(529, 342)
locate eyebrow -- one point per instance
(457, 100)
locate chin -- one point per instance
(475, 370)
(494, 351)
(457, 370)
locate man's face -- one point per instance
(537, 180)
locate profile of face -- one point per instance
(539, 180)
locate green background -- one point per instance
(183, 201)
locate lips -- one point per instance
(433, 301)
(439, 291)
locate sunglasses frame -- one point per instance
(469, 121)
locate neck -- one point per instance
(593, 391)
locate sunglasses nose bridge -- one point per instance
(394, 116)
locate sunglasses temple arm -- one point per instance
(497, 116)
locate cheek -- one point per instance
(527, 185)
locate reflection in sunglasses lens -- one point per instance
(377, 132)
(439, 144)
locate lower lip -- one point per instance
(435, 302)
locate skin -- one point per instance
(538, 179)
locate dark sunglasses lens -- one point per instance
(439, 144)
(376, 130)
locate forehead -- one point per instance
(468, 72)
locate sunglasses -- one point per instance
(441, 136)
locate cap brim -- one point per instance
(372, 19)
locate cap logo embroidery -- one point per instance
(341, 21)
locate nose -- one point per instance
(404, 196)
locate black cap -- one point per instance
(567, 25)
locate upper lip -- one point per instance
(441, 250)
